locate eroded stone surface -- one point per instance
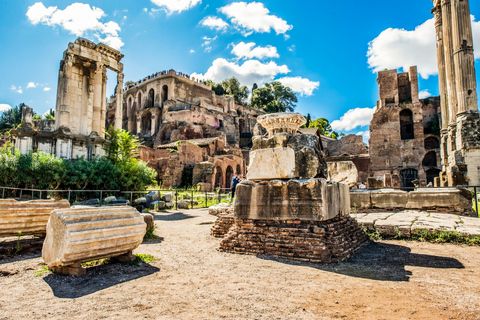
(267, 164)
(312, 199)
(343, 171)
(439, 198)
(400, 222)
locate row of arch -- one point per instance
(150, 103)
(219, 176)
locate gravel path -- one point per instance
(192, 280)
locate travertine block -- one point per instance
(437, 198)
(343, 171)
(267, 164)
(28, 217)
(312, 199)
(86, 234)
(389, 199)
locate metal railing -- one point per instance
(195, 198)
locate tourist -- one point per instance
(362, 186)
(235, 181)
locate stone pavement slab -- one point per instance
(368, 221)
(399, 222)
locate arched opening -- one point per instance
(406, 124)
(218, 177)
(432, 174)
(430, 159)
(129, 107)
(239, 170)
(132, 120)
(151, 98)
(241, 126)
(228, 177)
(408, 175)
(164, 94)
(146, 124)
(139, 101)
(432, 143)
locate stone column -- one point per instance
(119, 102)
(97, 98)
(103, 112)
(463, 57)
(62, 115)
(154, 124)
(139, 123)
(449, 63)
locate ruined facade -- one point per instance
(460, 129)
(204, 162)
(404, 139)
(169, 106)
(79, 126)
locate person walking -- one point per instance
(234, 185)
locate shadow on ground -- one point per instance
(382, 262)
(97, 278)
(26, 248)
(172, 215)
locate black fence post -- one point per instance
(21, 192)
(206, 199)
(101, 198)
(176, 199)
(69, 196)
(192, 198)
(3, 193)
(475, 197)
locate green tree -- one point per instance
(233, 88)
(50, 115)
(323, 126)
(308, 117)
(123, 147)
(12, 118)
(217, 88)
(274, 97)
(255, 86)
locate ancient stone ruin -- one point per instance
(85, 234)
(458, 93)
(287, 208)
(80, 115)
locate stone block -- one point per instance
(312, 199)
(434, 223)
(157, 205)
(220, 208)
(148, 219)
(368, 221)
(439, 198)
(167, 197)
(267, 164)
(85, 234)
(389, 199)
(27, 217)
(399, 222)
(360, 199)
(343, 171)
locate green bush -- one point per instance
(45, 171)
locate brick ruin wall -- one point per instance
(328, 241)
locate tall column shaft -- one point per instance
(97, 98)
(463, 56)
(442, 77)
(62, 114)
(119, 103)
(449, 63)
(103, 112)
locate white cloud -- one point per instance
(254, 17)
(4, 107)
(172, 6)
(247, 51)
(400, 48)
(424, 94)
(354, 118)
(78, 19)
(207, 43)
(214, 23)
(300, 85)
(19, 89)
(47, 89)
(13, 87)
(250, 72)
(192, 51)
(31, 85)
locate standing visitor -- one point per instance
(234, 186)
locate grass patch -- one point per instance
(444, 236)
(372, 234)
(150, 234)
(40, 272)
(95, 263)
(145, 258)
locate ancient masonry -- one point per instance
(404, 133)
(460, 145)
(169, 106)
(79, 126)
(286, 208)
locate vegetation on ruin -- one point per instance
(323, 126)
(39, 170)
(274, 97)
(150, 234)
(11, 118)
(231, 87)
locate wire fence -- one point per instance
(150, 199)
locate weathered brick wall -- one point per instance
(223, 224)
(310, 241)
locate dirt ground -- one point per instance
(192, 280)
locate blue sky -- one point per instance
(327, 51)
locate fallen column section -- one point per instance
(86, 234)
(27, 217)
